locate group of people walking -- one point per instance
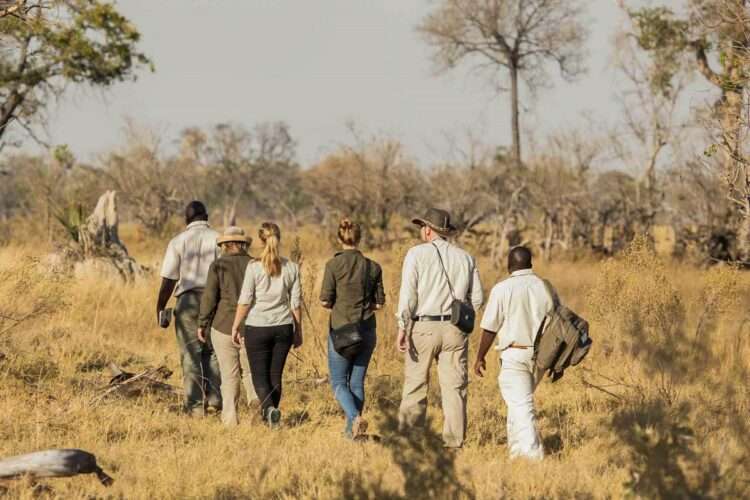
(237, 317)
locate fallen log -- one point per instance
(53, 463)
(133, 385)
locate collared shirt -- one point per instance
(219, 299)
(516, 308)
(342, 288)
(424, 288)
(189, 255)
(272, 298)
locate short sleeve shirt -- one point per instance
(189, 255)
(516, 308)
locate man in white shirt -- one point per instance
(185, 268)
(515, 310)
(425, 329)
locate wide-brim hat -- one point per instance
(233, 234)
(437, 219)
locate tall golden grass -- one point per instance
(657, 410)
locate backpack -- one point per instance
(562, 340)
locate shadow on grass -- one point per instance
(429, 469)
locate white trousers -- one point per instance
(517, 386)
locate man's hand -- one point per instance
(480, 366)
(402, 343)
(297, 340)
(201, 335)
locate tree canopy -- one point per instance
(59, 42)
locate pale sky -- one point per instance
(316, 65)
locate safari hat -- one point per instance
(437, 219)
(233, 233)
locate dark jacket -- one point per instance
(223, 285)
(342, 287)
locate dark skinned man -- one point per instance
(184, 271)
(515, 311)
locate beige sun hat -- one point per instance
(233, 233)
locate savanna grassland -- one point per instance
(659, 408)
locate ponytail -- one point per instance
(270, 235)
(349, 233)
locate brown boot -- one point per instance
(359, 427)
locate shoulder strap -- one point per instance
(365, 279)
(445, 273)
(553, 297)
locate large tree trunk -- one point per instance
(514, 122)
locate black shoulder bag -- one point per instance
(348, 339)
(462, 312)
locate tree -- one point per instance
(254, 168)
(522, 37)
(56, 42)
(370, 181)
(650, 100)
(716, 36)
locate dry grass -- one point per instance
(657, 411)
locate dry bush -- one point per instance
(599, 445)
(672, 373)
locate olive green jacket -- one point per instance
(223, 285)
(342, 288)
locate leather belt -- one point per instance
(513, 346)
(428, 317)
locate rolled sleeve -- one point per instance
(328, 288)
(407, 300)
(247, 294)
(296, 294)
(170, 267)
(477, 294)
(493, 314)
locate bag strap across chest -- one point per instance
(445, 272)
(365, 279)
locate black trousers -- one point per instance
(267, 348)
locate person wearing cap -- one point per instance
(184, 272)
(218, 305)
(425, 331)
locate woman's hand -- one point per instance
(239, 321)
(201, 336)
(297, 339)
(236, 336)
(297, 315)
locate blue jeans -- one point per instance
(348, 378)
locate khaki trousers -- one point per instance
(441, 341)
(233, 367)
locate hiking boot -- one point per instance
(273, 417)
(359, 427)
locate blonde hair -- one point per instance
(270, 235)
(349, 233)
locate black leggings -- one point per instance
(267, 348)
